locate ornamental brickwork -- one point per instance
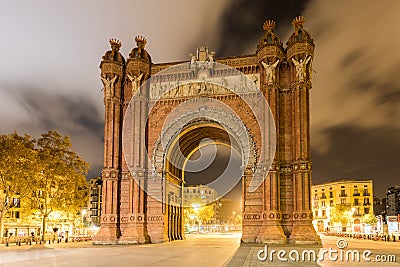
(278, 211)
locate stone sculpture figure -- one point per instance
(301, 68)
(108, 85)
(135, 82)
(270, 71)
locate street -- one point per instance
(197, 250)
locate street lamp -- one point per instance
(196, 210)
(233, 220)
(353, 210)
(83, 213)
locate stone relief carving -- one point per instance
(212, 86)
(108, 85)
(270, 71)
(301, 68)
(135, 80)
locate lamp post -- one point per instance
(196, 210)
(233, 220)
(83, 213)
(353, 210)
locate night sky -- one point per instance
(51, 50)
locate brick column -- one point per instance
(134, 168)
(112, 73)
(270, 54)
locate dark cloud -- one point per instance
(69, 113)
(352, 58)
(72, 114)
(242, 21)
(357, 153)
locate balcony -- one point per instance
(366, 194)
(356, 204)
(356, 194)
(342, 195)
(367, 204)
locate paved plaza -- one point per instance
(197, 250)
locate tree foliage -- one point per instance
(340, 215)
(45, 172)
(61, 184)
(369, 219)
(198, 210)
(18, 167)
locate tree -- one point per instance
(340, 215)
(369, 219)
(18, 166)
(61, 184)
(196, 208)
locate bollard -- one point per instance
(49, 242)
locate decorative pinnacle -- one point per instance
(115, 43)
(140, 41)
(269, 25)
(298, 21)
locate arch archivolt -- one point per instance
(196, 125)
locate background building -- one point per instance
(379, 206)
(393, 200)
(94, 202)
(203, 193)
(347, 198)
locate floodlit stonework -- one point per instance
(279, 211)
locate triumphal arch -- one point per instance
(158, 114)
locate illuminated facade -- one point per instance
(353, 197)
(202, 193)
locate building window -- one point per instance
(342, 193)
(366, 210)
(316, 213)
(331, 203)
(343, 201)
(323, 213)
(323, 196)
(357, 212)
(366, 202)
(356, 202)
(366, 193)
(356, 193)
(323, 204)
(16, 203)
(331, 194)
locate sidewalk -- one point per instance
(247, 255)
(14, 247)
